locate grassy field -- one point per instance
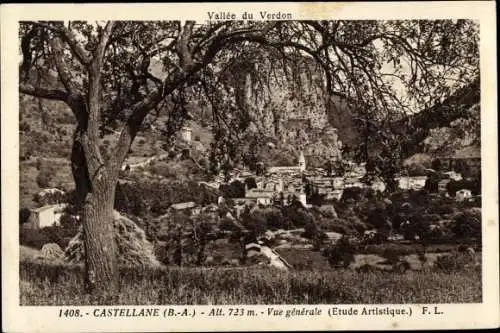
(42, 284)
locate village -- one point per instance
(283, 184)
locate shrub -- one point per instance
(454, 262)
(43, 179)
(339, 229)
(353, 193)
(196, 138)
(38, 238)
(328, 211)
(311, 229)
(359, 226)
(401, 266)
(436, 164)
(416, 169)
(432, 183)
(416, 226)
(377, 217)
(274, 218)
(250, 183)
(468, 224)
(24, 215)
(50, 197)
(171, 153)
(298, 217)
(341, 252)
(444, 208)
(255, 222)
(391, 255)
(235, 189)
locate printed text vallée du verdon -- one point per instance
(260, 15)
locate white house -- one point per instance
(186, 133)
(302, 199)
(463, 194)
(334, 194)
(264, 197)
(185, 206)
(413, 183)
(46, 216)
(454, 175)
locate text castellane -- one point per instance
(222, 16)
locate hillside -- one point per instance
(285, 116)
(446, 126)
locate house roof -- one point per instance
(279, 169)
(48, 207)
(254, 193)
(50, 191)
(183, 205)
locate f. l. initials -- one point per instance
(426, 310)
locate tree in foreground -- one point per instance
(101, 71)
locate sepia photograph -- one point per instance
(251, 159)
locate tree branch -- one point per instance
(42, 92)
(91, 137)
(185, 56)
(103, 42)
(68, 36)
(62, 68)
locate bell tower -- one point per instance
(302, 162)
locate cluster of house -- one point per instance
(284, 183)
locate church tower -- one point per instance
(302, 162)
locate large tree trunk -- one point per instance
(95, 198)
(99, 236)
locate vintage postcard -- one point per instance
(250, 166)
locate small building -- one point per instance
(334, 194)
(453, 175)
(412, 183)
(284, 170)
(333, 237)
(302, 199)
(353, 182)
(263, 197)
(463, 194)
(186, 133)
(276, 186)
(46, 216)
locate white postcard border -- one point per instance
(17, 318)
